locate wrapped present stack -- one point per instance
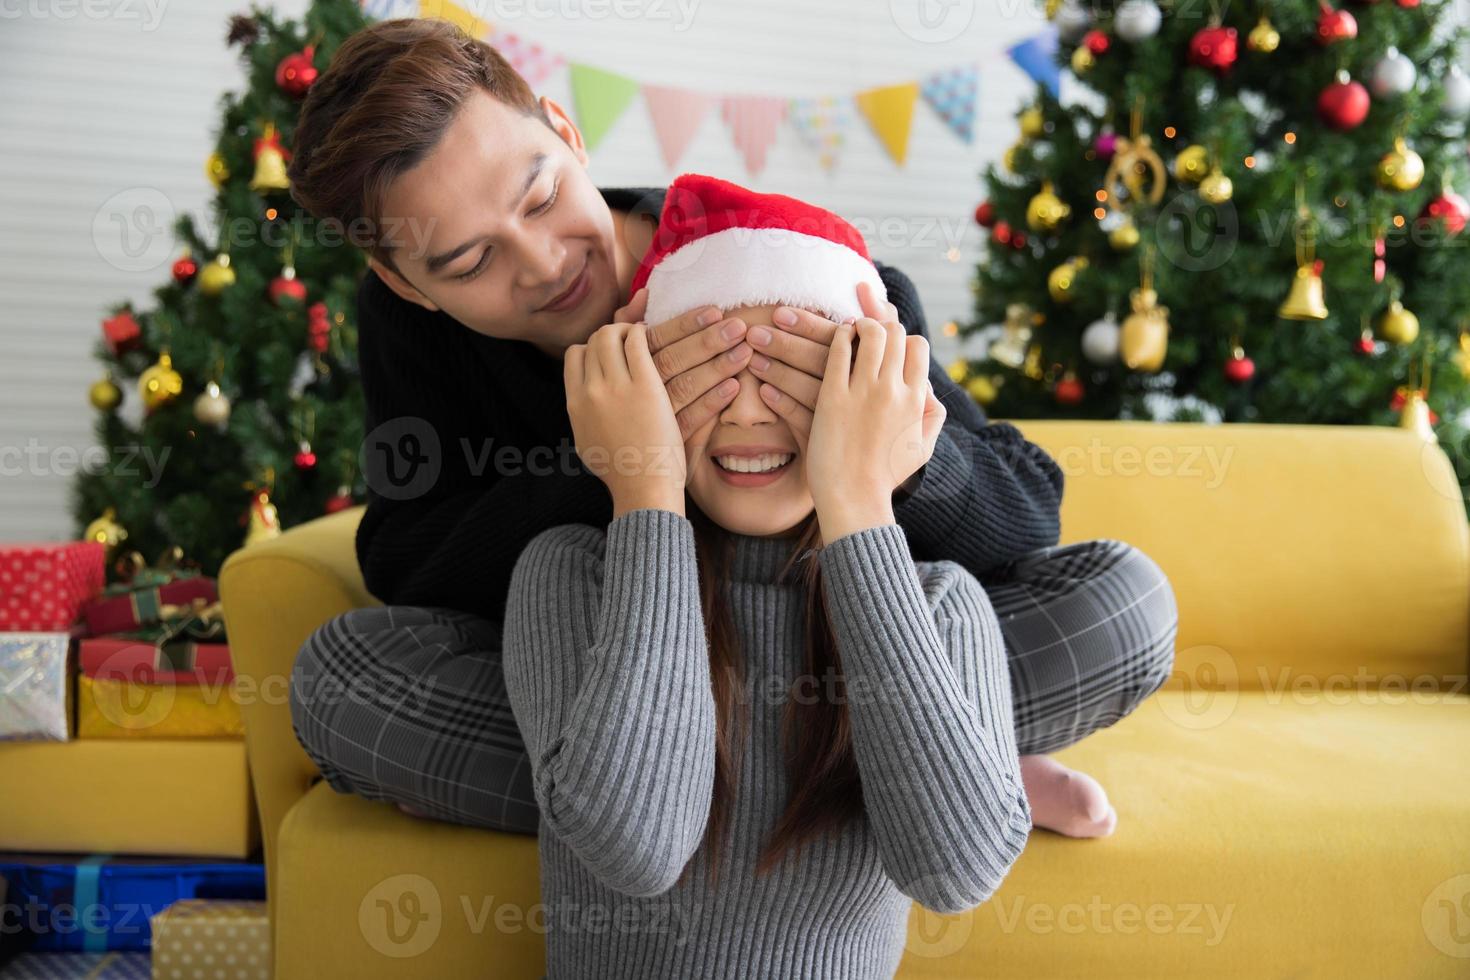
(123, 775)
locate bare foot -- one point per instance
(1065, 800)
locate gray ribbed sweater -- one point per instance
(608, 674)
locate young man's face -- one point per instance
(501, 227)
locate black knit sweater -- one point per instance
(505, 468)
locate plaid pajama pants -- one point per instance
(408, 703)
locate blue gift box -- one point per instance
(100, 902)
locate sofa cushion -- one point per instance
(1313, 834)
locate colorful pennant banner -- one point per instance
(600, 98)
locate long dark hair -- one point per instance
(816, 735)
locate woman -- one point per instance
(787, 746)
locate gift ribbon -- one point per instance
(88, 889)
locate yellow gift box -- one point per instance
(202, 939)
(108, 708)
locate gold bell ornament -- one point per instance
(1305, 300)
(270, 162)
(1046, 211)
(1415, 415)
(106, 530)
(1082, 60)
(1263, 37)
(1031, 368)
(1010, 349)
(216, 276)
(1061, 282)
(1401, 169)
(1398, 325)
(1144, 338)
(160, 384)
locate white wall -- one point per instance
(125, 104)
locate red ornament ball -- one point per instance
(1335, 25)
(288, 289)
(985, 214)
(1448, 207)
(295, 74)
(339, 501)
(1069, 390)
(1365, 344)
(1214, 47)
(1018, 240)
(305, 459)
(1001, 232)
(1343, 105)
(1239, 369)
(1097, 42)
(184, 270)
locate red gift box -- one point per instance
(145, 607)
(141, 662)
(43, 585)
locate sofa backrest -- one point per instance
(1299, 554)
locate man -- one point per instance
(491, 252)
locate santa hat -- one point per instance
(719, 244)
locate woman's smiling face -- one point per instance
(746, 466)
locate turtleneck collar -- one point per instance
(759, 559)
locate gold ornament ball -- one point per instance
(215, 170)
(104, 395)
(1401, 169)
(106, 529)
(216, 276)
(1062, 280)
(1216, 188)
(160, 384)
(1192, 164)
(1398, 325)
(1124, 237)
(1046, 211)
(212, 407)
(1009, 158)
(958, 370)
(982, 389)
(1033, 123)
(1082, 60)
(1263, 37)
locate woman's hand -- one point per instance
(622, 421)
(792, 358)
(869, 430)
(696, 354)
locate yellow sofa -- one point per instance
(1295, 802)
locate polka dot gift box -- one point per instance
(43, 586)
(211, 939)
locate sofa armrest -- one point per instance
(275, 594)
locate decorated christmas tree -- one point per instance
(1250, 214)
(250, 413)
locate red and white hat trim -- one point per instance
(723, 245)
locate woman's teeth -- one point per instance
(753, 464)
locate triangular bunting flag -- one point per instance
(534, 63)
(952, 94)
(600, 97)
(890, 111)
(822, 124)
(1037, 57)
(676, 115)
(753, 120)
(455, 14)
